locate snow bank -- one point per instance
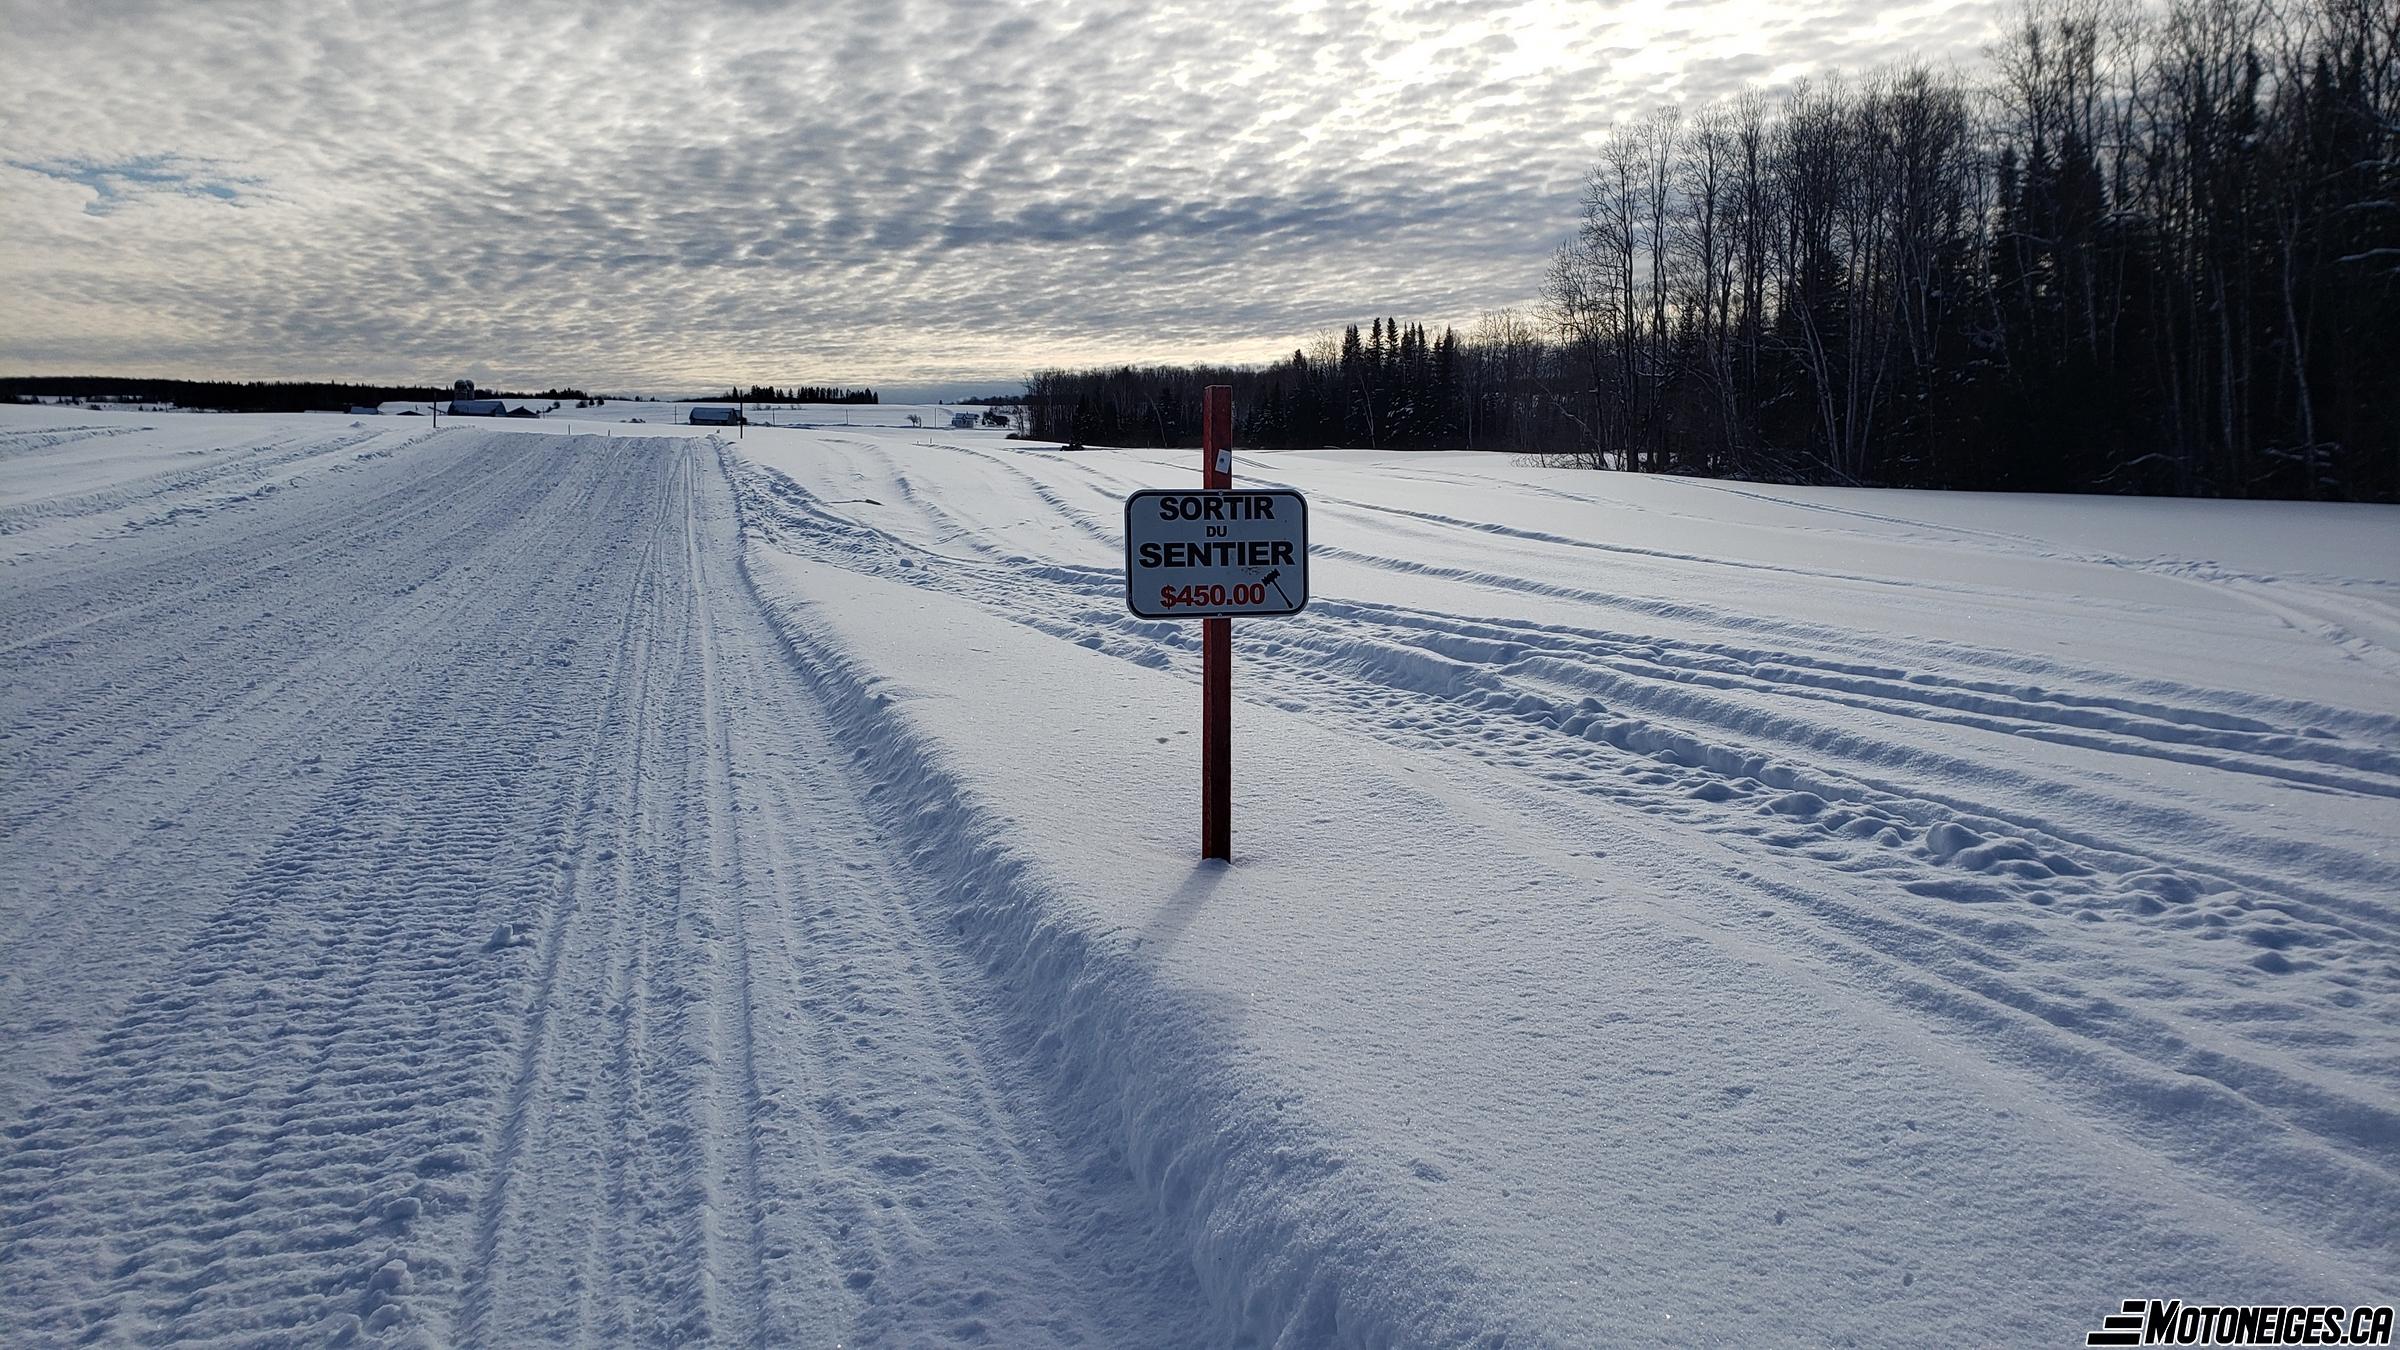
(1300, 1239)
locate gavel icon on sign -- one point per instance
(1269, 579)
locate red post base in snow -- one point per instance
(1216, 738)
(1216, 649)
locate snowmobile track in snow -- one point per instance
(1730, 740)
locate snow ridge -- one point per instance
(1290, 1251)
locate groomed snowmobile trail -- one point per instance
(474, 932)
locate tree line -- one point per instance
(803, 393)
(1396, 387)
(2154, 249)
(237, 395)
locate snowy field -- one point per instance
(567, 881)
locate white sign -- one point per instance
(1227, 551)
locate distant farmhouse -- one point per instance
(715, 415)
(465, 403)
(958, 420)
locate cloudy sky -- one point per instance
(660, 194)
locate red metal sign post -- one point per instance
(1216, 649)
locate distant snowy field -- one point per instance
(569, 880)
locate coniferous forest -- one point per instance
(799, 393)
(2150, 249)
(274, 396)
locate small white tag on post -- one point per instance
(1224, 461)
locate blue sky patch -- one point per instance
(118, 183)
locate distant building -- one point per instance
(716, 415)
(477, 407)
(462, 391)
(363, 410)
(958, 420)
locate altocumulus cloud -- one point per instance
(652, 194)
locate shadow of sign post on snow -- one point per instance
(1177, 911)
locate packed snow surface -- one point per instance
(570, 881)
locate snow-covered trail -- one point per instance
(436, 905)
